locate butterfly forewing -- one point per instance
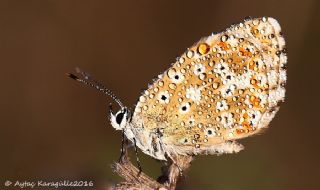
(225, 87)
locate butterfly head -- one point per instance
(120, 119)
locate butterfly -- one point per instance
(225, 87)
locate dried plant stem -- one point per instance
(135, 180)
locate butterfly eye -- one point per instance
(119, 117)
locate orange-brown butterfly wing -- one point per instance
(225, 87)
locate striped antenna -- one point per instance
(88, 80)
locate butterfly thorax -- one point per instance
(147, 139)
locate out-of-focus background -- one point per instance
(53, 128)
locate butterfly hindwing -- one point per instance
(225, 87)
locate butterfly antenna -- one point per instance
(87, 80)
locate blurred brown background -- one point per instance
(54, 128)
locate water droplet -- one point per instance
(264, 19)
(215, 85)
(202, 76)
(224, 38)
(255, 22)
(151, 95)
(160, 83)
(142, 99)
(181, 60)
(203, 48)
(253, 81)
(190, 54)
(214, 49)
(172, 86)
(271, 36)
(171, 72)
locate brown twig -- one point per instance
(140, 181)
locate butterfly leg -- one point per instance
(175, 162)
(173, 171)
(124, 149)
(124, 143)
(137, 157)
